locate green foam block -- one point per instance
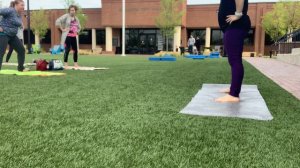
(30, 73)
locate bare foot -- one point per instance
(76, 65)
(66, 66)
(228, 99)
(227, 90)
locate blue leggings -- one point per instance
(233, 44)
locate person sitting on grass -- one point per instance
(10, 23)
(69, 24)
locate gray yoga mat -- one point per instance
(251, 106)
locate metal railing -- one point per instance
(286, 47)
(288, 42)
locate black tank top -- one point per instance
(228, 7)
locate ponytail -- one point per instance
(12, 4)
(15, 2)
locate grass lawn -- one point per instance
(128, 116)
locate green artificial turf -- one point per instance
(128, 116)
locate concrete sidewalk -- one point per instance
(285, 75)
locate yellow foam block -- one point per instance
(30, 73)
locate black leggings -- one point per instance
(11, 49)
(71, 42)
(17, 45)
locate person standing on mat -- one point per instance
(20, 35)
(235, 24)
(70, 26)
(9, 25)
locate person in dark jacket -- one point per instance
(198, 44)
(235, 23)
(20, 35)
(9, 25)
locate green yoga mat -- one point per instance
(30, 73)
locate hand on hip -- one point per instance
(232, 18)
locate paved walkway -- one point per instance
(285, 75)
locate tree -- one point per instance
(291, 16)
(81, 16)
(282, 20)
(39, 24)
(273, 23)
(169, 17)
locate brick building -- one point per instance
(104, 25)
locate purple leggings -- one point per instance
(233, 44)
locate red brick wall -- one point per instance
(139, 13)
(94, 21)
(202, 16)
(142, 13)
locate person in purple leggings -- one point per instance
(235, 24)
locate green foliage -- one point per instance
(79, 13)
(39, 22)
(291, 15)
(283, 19)
(169, 17)
(82, 18)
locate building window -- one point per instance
(217, 37)
(268, 40)
(115, 41)
(132, 38)
(32, 38)
(100, 36)
(170, 44)
(47, 38)
(296, 38)
(198, 33)
(144, 41)
(85, 37)
(249, 40)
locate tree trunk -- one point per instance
(290, 36)
(37, 39)
(167, 44)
